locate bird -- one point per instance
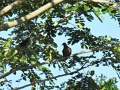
(25, 43)
(66, 50)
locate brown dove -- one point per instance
(66, 50)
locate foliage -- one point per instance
(88, 83)
(35, 62)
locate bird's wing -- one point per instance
(66, 51)
(69, 51)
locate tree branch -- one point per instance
(9, 7)
(39, 81)
(87, 51)
(30, 15)
(21, 68)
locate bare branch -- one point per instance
(87, 51)
(30, 15)
(9, 7)
(39, 81)
(22, 68)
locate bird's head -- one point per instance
(64, 44)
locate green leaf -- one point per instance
(1, 64)
(85, 7)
